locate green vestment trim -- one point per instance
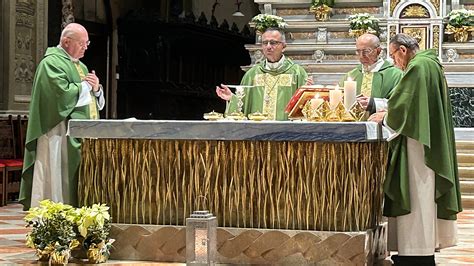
(55, 93)
(273, 89)
(420, 108)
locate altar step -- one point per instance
(465, 156)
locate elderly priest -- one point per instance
(421, 188)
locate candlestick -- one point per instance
(349, 93)
(335, 97)
(316, 101)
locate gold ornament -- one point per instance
(339, 111)
(415, 11)
(213, 116)
(321, 12)
(236, 116)
(257, 116)
(461, 34)
(324, 110)
(357, 111)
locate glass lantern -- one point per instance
(201, 238)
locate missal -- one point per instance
(301, 96)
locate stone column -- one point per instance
(23, 43)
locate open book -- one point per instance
(301, 96)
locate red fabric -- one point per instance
(2, 165)
(11, 162)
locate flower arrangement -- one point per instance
(460, 21)
(94, 226)
(58, 228)
(363, 23)
(461, 17)
(321, 9)
(265, 21)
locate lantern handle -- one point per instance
(205, 202)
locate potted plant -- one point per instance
(54, 233)
(58, 228)
(94, 227)
(362, 23)
(264, 21)
(321, 9)
(460, 22)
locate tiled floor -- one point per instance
(13, 250)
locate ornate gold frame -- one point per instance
(420, 33)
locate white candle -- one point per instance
(316, 101)
(349, 92)
(335, 97)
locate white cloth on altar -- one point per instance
(420, 232)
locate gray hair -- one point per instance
(282, 33)
(405, 40)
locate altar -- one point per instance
(283, 192)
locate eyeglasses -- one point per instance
(394, 52)
(364, 52)
(83, 44)
(272, 43)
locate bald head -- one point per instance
(74, 40)
(369, 39)
(73, 29)
(368, 49)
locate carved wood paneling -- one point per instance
(25, 43)
(177, 62)
(67, 13)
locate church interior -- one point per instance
(158, 164)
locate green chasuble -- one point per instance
(55, 92)
(420, 108)
(383, 80)
(273, 89)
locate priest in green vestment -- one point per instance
(63, 88)
(271, 82)
(375, 76)
(421, 187)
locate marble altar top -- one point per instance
(227, 130)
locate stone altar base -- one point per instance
(254, 246)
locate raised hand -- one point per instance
(224, 92)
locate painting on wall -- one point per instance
(418, 33)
